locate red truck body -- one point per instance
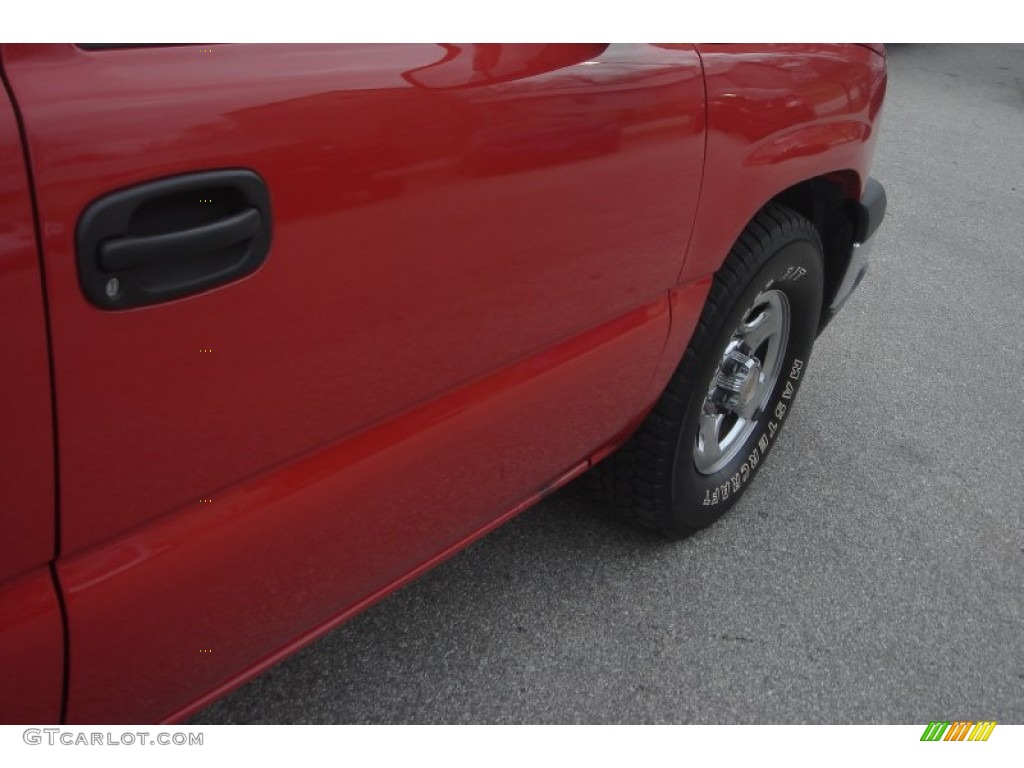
(485, 263)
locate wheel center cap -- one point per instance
(751, 380)
(739, 379)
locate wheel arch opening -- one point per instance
(831, 203)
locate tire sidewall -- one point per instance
(795, 268)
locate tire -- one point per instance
(708, 435)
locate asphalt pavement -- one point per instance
(874, 573)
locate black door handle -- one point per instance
(129, 252)
(172, 237)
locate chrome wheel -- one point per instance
(743, 382)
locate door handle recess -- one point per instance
(172, 237)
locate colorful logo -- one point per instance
(959, 730)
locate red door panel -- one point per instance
(287, 551)
(442, 215)
(31, 650)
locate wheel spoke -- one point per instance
(767, 324)
(750, 409)
(710, 449)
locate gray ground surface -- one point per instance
(873, 573)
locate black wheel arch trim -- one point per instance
(871, 211)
